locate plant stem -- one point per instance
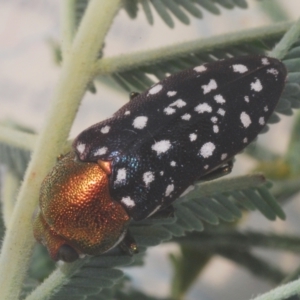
(24, 140)
(290, 37)
(75, 76)
(138, 59)
(56, 279)
(16, 138)
(67, 26)
(10, 187)
(282, 292)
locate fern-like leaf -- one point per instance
(179, 9)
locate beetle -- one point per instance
(185, 128)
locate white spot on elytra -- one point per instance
(256, 85)
(200, 69)
(212, 85)
(169, 190)
(246, 98)
(245, 140)
(189, 189)
(273, 71)
(100, 151)
(245, 119)
(171, 93)
(121, 176)
(216, 128)
(173, 163)
(186, 117)
(179, 103)
(265, 61)
(161, 173)
(148, 177)
(127, 112)
(266, 108)
(80, 147)
(219, 99)
(223, 156)
(203, 107)
(105, 129)
(140, 122)
(154, 90)
(128, 202)
(169, 110)
(161, 146)
(214, 119)
(239, 68)
(221, 112)
(193, 137)
(206, 167)
(261, 121)
(207, 149)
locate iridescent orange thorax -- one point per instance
(76, 209)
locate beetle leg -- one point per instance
(221, 171)
(128, 245)
(133, 95)
(67, 253)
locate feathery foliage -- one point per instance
(207, 219)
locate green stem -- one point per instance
(291, 36)
(75, 76)
(10, 187)
(137, 59)
(17, 138)
(55, 281)
(67, 26)
(23, 140)
(282, 292)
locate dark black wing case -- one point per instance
(182, 128)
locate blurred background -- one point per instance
(28, 75)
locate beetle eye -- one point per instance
(67, 254)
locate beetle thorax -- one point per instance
(77, 208)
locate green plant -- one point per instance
(85, 25)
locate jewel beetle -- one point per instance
(135, 164)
